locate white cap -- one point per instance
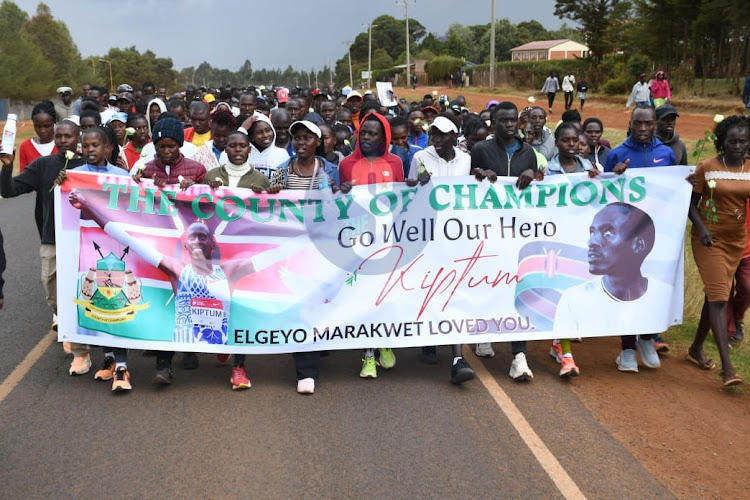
(308, 125)
(353, 93)
(62, 90)
(444, 125)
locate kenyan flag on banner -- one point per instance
(545, 270)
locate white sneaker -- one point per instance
(306, 386)
(484, 350)
(646, 349)
(519, 368)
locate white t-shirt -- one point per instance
(106, 115)
(568, 82)
(43, 149)
(438, 167)
(587, 309)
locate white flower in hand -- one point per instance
(711, 184)
(718, 118)
(531, 99)
(69, 155)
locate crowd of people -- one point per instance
(271, 139)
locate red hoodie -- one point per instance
(386, 168)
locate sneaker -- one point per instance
(67, 348)
(189, 361)
(369, 368)
(121, 380)
(222, 358)
(80, 365)
(556, 352)
(519, 368)
(568, 368)
(484, 350)
(163, 374)
(387, 358)
(107, 371)
(626, 361)
(461, 372)
(429, 355)
(660, 345)
(306, 386)
(239, 378)
(739, 336)
(646, 349)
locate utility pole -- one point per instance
(369, 52)
(492, 48)
(406, 3)
(111, 80)
(349, 50)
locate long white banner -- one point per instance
(454, 261)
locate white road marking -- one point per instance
(546, 459)
(20, 371)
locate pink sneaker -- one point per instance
(80, 365)
(239, 378)
(568, 368)
(556, 352)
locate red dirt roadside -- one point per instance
(687, 431)
(691, 126)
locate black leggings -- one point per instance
(551, 98)
(628, 341)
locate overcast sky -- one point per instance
(305, 34)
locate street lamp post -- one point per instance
(111, 80)
(349, 51)
(369, 52)
(408, 55)
(492, 48)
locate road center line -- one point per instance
(20, 371)
(546, 459)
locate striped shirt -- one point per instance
(295, 181)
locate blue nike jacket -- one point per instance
(652, 154)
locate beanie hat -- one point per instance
(168, 128)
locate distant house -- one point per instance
(545, 50)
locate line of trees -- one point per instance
(687, 38)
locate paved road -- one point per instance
(409, 433)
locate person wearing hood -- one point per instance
(660, 89)
(443, 159)
(153, 111)
(641, 148)
(265, 156)
(371, 163)
(666, 117)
